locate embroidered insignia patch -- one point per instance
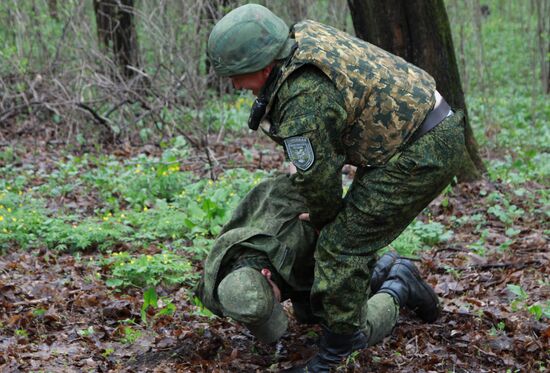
(300, 152)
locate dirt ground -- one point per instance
(72, 320)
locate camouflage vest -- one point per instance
(386, 98)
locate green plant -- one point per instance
(453, 272)
(420, 235)
(478, 247)
(351, 359)
(129, 335)
(88, 332)
(108, 352)
(201, 310)
(150, 299)
(498, 328)
(90, 233)
(508, 214)
(431, 233)
(37, 312)
(521, 302)
(148, 270)
(21, 333)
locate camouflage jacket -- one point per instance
(266, 222)
(385, 98)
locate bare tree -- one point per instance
(212, 12)
(419, 31)
(542, 9)
(52, 8)
(116, 31)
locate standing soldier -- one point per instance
(331, 99)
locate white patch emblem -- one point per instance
(300, 152)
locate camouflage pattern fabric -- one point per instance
(261, 213)
(246, 296)
(264, 229)
(385, 98)
(381, 202)
(307, 104)
(246, 40)
(378, 207)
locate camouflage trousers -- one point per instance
(379, 205)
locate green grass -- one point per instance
(138, 203)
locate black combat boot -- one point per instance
(381, 270)
(407, 287)
(333, 348)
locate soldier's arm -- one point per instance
(311, 118)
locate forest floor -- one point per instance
(58, 315)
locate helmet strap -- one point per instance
(260, 103)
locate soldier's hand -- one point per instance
(304, 216)
(276, 291)
(292, 169)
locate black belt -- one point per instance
(434, 117)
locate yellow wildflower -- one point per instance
(9, 209)
(149, 257)
(1, 218)
(145, 208)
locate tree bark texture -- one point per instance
(52, 8)
(419, 32)
(116, 31)
(212, 12)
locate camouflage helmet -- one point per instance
(246, 40)
(246, 296)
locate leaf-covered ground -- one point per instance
(492, 275)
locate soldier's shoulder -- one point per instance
(308, 75)
(305, 80)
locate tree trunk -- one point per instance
(541, 9)
(52, 8)
(419, 32)
(212, 12)
(116, 31)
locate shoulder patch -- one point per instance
(300, 152)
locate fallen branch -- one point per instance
(30, 302)
(516, 265)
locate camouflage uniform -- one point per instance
(340, 100)
(264, 232)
